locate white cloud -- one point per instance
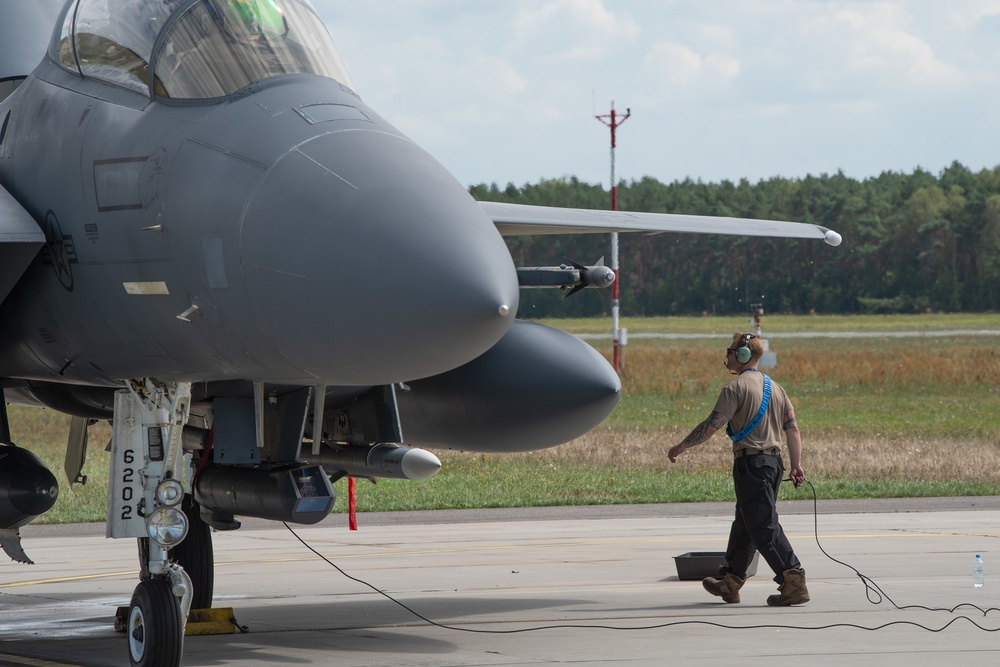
(678, 66)
(580, 30)
(494, 77)
(876, 45)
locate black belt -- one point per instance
(746, 451)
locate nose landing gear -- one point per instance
(144, 501)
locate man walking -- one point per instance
(758, 410)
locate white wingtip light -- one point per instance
(833, 238)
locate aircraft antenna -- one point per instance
(613, 120)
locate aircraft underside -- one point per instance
(187, 458)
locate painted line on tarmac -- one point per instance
(488, 548)
(7, 659)
(368, 555)
(78, 577)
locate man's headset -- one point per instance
(743, 352)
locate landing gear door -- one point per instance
(137, 452)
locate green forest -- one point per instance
(913, 242)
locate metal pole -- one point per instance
(615, 289)
(613, 120)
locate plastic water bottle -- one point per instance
(978, 576)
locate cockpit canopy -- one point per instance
(197, 49)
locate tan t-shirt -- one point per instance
(740, 401)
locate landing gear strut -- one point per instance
(144, 501)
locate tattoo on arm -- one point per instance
(790, 422)
(697, 436)
(701, 433)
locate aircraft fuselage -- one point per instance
(244, 238)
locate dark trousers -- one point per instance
(756, 526)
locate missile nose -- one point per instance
(419, 464)
(602, 276)
(370, 264)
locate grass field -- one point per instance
(881, 417)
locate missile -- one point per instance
(599, 276)
(574, 275)
(300, 493)
(384, 460)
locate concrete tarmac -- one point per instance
(581, 586)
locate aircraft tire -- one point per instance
(196, 556)
(155, 632)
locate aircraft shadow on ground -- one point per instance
(361, 626)
(378, 613)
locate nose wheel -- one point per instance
(155, 632)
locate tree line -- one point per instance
(912, 242)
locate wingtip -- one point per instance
(833, 238)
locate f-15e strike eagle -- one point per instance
(209, 239)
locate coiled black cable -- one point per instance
(871, 588)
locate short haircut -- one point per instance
(755, 344)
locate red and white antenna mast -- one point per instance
(613, 120)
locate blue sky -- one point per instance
(506, 91)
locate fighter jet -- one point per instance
(209, 239)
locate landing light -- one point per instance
(167, 526)
(169, 493)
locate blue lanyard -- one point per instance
(745, 431)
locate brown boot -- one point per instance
(727, 588)
(791, 591)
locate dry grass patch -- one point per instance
(678, 371)
(938, 367)
(825, 456)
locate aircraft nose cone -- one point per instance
(369, 264)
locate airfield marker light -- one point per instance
(167, 526)
(613, 120)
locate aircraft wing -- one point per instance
(523, 220)
(20, 240)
